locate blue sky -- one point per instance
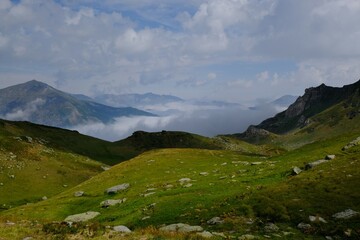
(232, 50)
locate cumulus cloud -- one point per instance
(129, 46)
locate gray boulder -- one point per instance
(181, 227)
(296, 171)
(304, 227)
(317, 219)
(348, 213)
(79, 194)
(271, 227)
(316, 163)
(247, 237)
(122, 229)
(330, 157)
(205, 234)
(118, 188)
(111, 202)
(82, 217)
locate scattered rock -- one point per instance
(79, 194)
(184, 180)
(204, 173)
(247, 237)
(65, 185)
(296, 171)
(150, 189)
(81, 217)
(146, 217)
(328, 238)
(352, 144)
(271, 227)
(187, 185)
(122, 229)
(148, 194)
(44, 198)
(105, 168)
(8, 223)
(117, 188)
(348, 232)
(330, 157)
(304, 227)
(348, 213)
(205, 234)
(219, 234)
(169, 186)
(181, 227)
(314, 164)
(111, 202)
(28, 238)
(256, 163)
(1, 184)
(215, 221)
(317, 219)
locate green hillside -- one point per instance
(282, 188)
(237, 188)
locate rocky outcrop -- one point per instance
(314, 101)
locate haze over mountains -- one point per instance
(114, 117)
(38, 102)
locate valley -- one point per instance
(301, 184)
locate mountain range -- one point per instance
(298, 181)
(40, 103)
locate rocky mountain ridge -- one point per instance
(314, 101)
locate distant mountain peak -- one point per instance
(38, 102)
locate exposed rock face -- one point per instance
(315, 100)
(254, 134)
(118, 188)
(82, 217)
(181, 227)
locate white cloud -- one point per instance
(25, 114)
(5, 4)
(116, 46)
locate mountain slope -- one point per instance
(246, 192)
(39, 103)
(314, 101)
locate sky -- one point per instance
(239, 51)
(230, 50)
